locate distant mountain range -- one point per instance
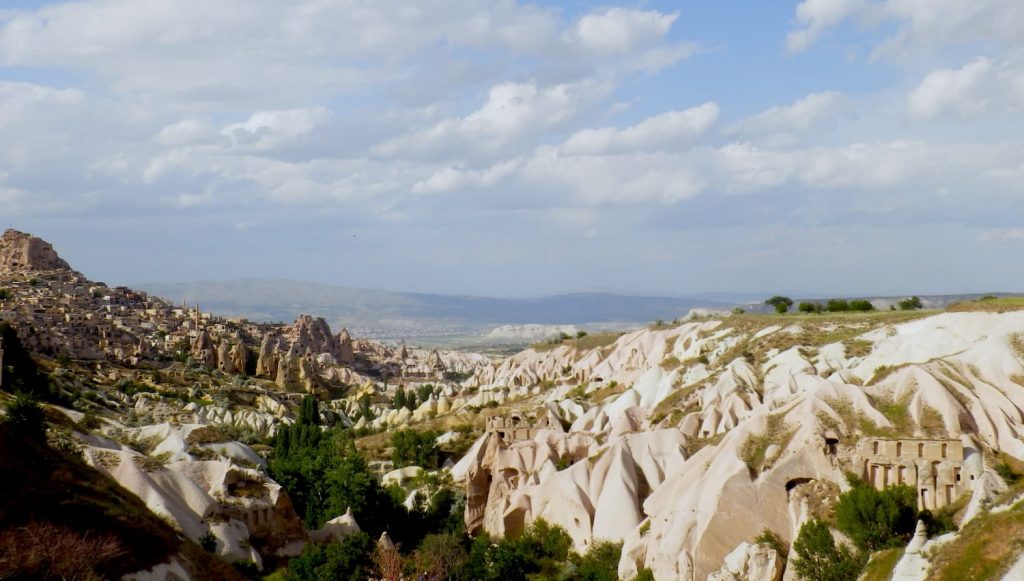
(388, 314)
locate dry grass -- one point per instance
(205, 435)
(755, 448)
(989, 305)
(857, 347)
(985, 548)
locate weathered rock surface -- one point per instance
(21, 252)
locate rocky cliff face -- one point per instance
(21, 252)
(687, 442)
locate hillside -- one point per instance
(701, 448)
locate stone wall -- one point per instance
(936, 469)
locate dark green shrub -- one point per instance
(1006, 472)
(780, 303)
(26, 417)
(861, 305)
(911, 304)
(208, 542)
(837, 306)
(877, 519)
(818, 558)
(346, 560)
(412, 448)
(600, 563)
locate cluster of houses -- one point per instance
(59, 312)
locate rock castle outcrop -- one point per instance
(23, 252)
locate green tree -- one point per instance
(424, 392)
(818, 558)
(780, 303)
(600, 563)
(806, 307)
(911, 304)
(412, 448)
(20, 373)
(410, 401)
(861, 305)
(26, 417)
(837, 306)
(348, 559)
(877, 519)
(399, 401)
(309, 411)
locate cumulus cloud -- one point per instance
(267, 130)
(974, 89)
(815, 17)
(666, 130)
(800, 115)
(511, 111)
(618, 30)
(918, 24)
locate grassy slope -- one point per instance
(39, 484)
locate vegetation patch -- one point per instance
(205, 435)
(881, 565)
(989, 304)
(857, 347)
(755, 448)
(985, 548)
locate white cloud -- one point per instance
(919, 24)
(666, 130)
(815, 17)
(619, 31)
(800, 115)
(267, 130)
(449, 179)
(185, 132)
(977, 88)
(617, 179)
(512, 111)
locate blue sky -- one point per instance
(507, 148)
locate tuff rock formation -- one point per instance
(21, 252)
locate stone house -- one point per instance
(939, 470)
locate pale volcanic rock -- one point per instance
(203, 350)
(314, 335)
(266, 364)
(20, 252)
(224, 362)
(346, 350)
(239, 357)
(750, 562)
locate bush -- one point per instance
(837, 306)
(412, 448)
(50, 551)
(861, 305)
(19, 372)
(601, 563)
(911, 304)
(208, 542)
(877, 519)
(769, 539)
(26, 417)
(780, 303)
(348, 559)
(818, 558)
(1006, 472)
(806, 307)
